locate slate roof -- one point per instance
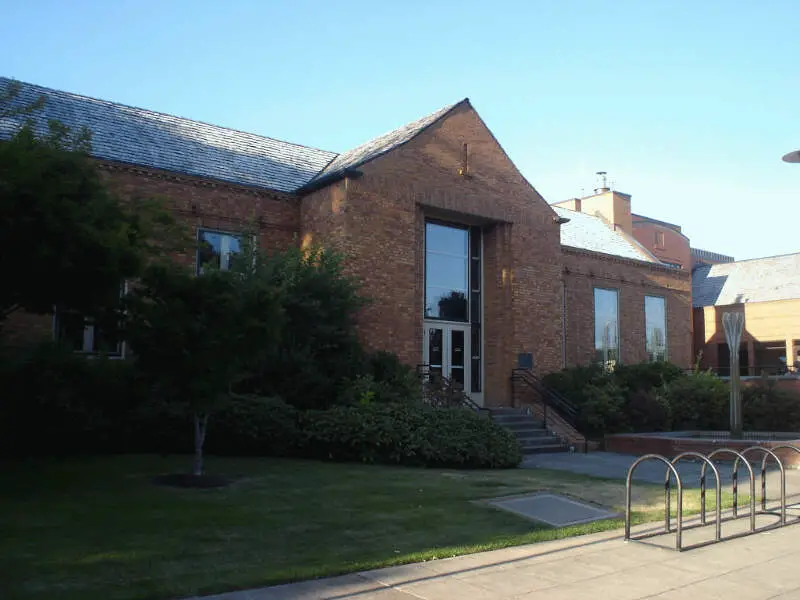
(382, 144)
(589, 232)
(757, 280)
(148, 138)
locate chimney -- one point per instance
(602, 183)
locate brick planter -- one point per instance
(672, 443)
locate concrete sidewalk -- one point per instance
(756, 567)
(615, 466)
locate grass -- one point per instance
(97, 528)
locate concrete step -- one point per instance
(531, 434)
(507, 420)
(557, 446)
(505, 411)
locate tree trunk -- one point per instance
(200, 426)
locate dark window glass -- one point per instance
(215, 250)
(655, 316)
(82, 335)
(446, 272)
(606, 327)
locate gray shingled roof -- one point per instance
(382, 144)
(757, 280)
(147, 138)
(592, 233)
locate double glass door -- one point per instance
(447, 351)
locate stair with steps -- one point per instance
(532, 435)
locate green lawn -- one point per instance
(96, 528)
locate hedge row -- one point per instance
(101, 406)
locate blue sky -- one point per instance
(688, 105)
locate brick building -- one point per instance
(469, 269)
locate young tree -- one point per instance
(66, 240)
(195, 338)
(319, 350)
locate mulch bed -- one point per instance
(187, 480)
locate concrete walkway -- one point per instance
(615, 466)
(757, 567)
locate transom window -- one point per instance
(215, 250)
(606, 327)
(655, 316)
(446, 272)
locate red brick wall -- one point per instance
(201, 203)
(584, 271)
(197, 203)
(380, 227)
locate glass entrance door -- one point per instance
(447, 351)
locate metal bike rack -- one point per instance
(735, 487)
(741, 457)
(767, 452)
(667, 528)
(764, 476)
(718, 509)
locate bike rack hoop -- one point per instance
(628, 482)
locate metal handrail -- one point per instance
(769, 452)
(735, 486)
(550, 397)
(667, 528)
(718, 509)
(423, 370)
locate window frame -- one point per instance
(467, 264)
(666, 335)
(618, 346)
(200, 230)
(89, 331)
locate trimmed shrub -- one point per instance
(56, 401)
(399, 434)
(646, 376)
(699, 401)
(602, 410)
(766, 407)
(648, 410)
(251, 425)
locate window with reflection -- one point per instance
(606, 327)
(655, 316)
(446, 272)
(215, 250)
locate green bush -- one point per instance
(401, 434)
(766, 407)
(698, 402)
(641, 397)
(55, 400)
(251, 425)
(649, 410)
(319, 351)
(602, 410)
(647, 375)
